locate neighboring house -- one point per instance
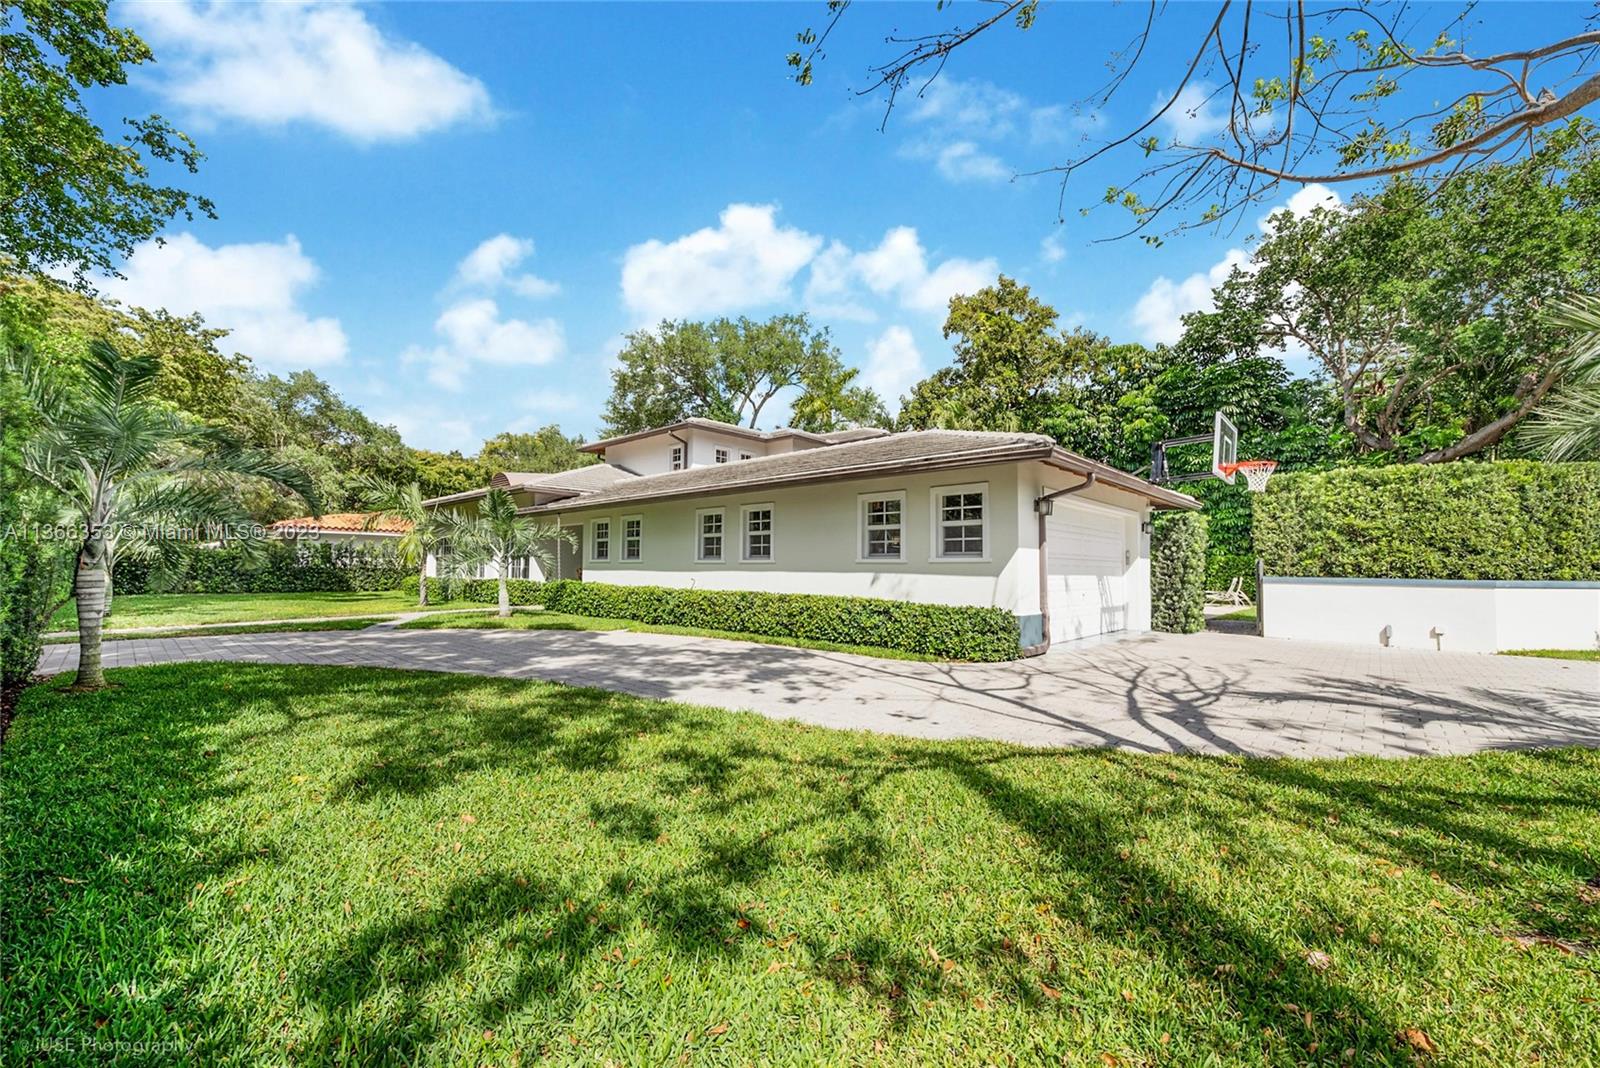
(937, 516)
(343, 528)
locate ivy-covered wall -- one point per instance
(1178, 572)
(266, 567)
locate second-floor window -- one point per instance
(745, 456)
(677, 457)
(722, 456)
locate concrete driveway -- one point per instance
(1212, 693)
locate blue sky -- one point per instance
(453, 212)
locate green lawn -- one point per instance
(188, 609)
(357, 623)
(1558, 654)
(1243, 613)
(538, 619)
(263, 864)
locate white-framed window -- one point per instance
(677, 457)
(522, 567)
(961, 522)
(632, 537)
(708, 533)
(600, 539)
(721, 455)
(756, 525)
(883, 527)
(746, 456)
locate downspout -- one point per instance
(1040, 509)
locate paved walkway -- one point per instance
(1215, 693)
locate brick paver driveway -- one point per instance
(1216, 693)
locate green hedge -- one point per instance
(266, 567)
(477, 591)
(952, 632)
(1178, 572)
(1509, 520)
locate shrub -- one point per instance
(266, 567)
(1178, 572)
(476, 591)
(954, 632)
(1509, 520)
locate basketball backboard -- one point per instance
(1224, 448)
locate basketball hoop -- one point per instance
(1255, 472)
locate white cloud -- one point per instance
(1303, 202)
(551, 400)
(894, 364)
(252, 290)
(898, 269)
(319, 63)
(746, 260)
(973, 107)
(1053, 249)
(426, 428)
(1160, 311)
(472, 332)
(489, 267)
(1195, 115)
(964, 161)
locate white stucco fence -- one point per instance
(1451, 615)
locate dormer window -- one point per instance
(677, 457)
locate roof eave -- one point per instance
(1118, 479)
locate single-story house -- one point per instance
(341, 528)
(934, 516)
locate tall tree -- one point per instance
(546, 449)
(497, 535)
(129, 467)
(730, 370)
(1425, 308)
(73, 197)
(1258, 95)
(429, 527)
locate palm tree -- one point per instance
(498, 535)
(1568, 426)
(130, 471)
(429, 527)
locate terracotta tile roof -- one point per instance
(343, 523)
(922, 450)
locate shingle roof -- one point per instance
(577, 481)
(342, 522)
(923, 450)
(695, 422)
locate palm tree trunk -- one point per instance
(422, 584)
(505, 595)
(90, 586)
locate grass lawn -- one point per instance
(266, 864)
(1243, 613)
(538, 619)
(188, 609)
(358, 623)
(1558, 654)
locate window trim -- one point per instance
(699, 514)
(678, 458)
(744, 533)
(624, 558)
(936, 553)
(746, 456)
(861, 527)
(720, 455)
(610, 537)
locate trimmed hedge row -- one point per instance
(267, 567)
(1517, 519)
(1178, 572)
(477, 591)
(951, 632)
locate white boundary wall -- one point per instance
(1456, 616)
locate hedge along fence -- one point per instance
(267, 567)
(1509, 520)
(1178, 572)
(950, 632)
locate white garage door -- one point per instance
(1088, 562)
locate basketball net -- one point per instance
(1255, 472)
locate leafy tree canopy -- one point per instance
(74, 197)
(546, 449)
(731, 370)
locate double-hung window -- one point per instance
(600, 539)
(757, 533)
(677, 457)
(883, 524)
(708, 536)
(960, 522)
(721, 456)
(632, 537)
